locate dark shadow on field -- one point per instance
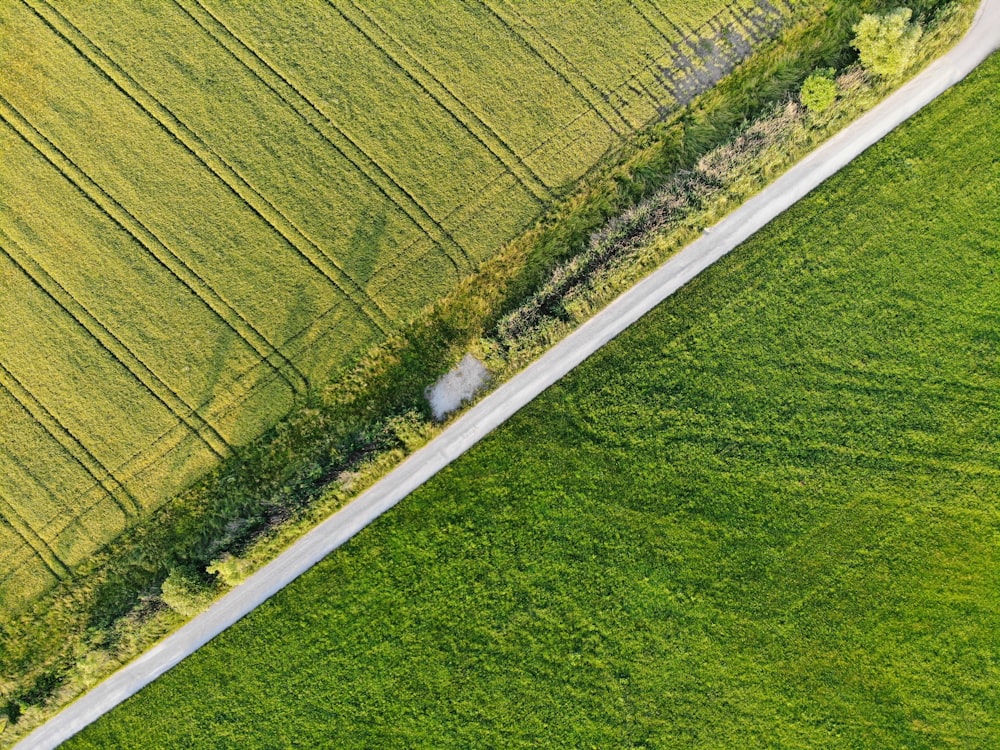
(201, 515)
(367, 245)
(707, 54)
(271, 363)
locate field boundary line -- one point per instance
(259, 204)
(81, 454)
(521, 32)
(418, 72)
(10, 515)
(982, 38)
(121, 216)
(343, 143)
(114, 346)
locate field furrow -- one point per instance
(344, 145)
(113, 279)
(609, 39)
(420, 74)
(111, 425)
(23, 573)
(206, 80)
(629, 59)
(349, 80)
(656, 19)
(114, 346)
(471, 60)
(523, 30)
(151, 244)
(158, 181)
(38, 473)
(634, 94)
(10, 517)
(418, 278)
(101, 474)
(291, 236)
(647, 83)
(70, 536)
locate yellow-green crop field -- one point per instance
(208, 206)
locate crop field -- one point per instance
(206, 208)
(765, 516)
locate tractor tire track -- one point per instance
(542, 48)
(404, 59)
(11, 518)
(52, 528)
(636, 5)
(167, 258)
(344, 144)
(81, 454)
(284, 228)
(115, 347)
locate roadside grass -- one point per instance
(765, 516)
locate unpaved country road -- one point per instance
(982, 39)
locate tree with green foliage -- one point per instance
(818, 91)
(184, 593)
(232, 571)
(887, 43)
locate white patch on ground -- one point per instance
(457, 386)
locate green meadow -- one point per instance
(208, 209)
(765, 516)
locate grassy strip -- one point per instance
(378, 409)
(765, 516)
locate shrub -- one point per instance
(818, 91)
(185, 593)
(232, 571)
(42, 689)
(887, 43)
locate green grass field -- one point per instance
(766, 516)
(206, 209)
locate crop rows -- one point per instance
(204, 210)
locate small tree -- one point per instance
(887, 43)
(818, 91)
(184, 593)
(232, 571)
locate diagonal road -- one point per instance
(982, 39)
